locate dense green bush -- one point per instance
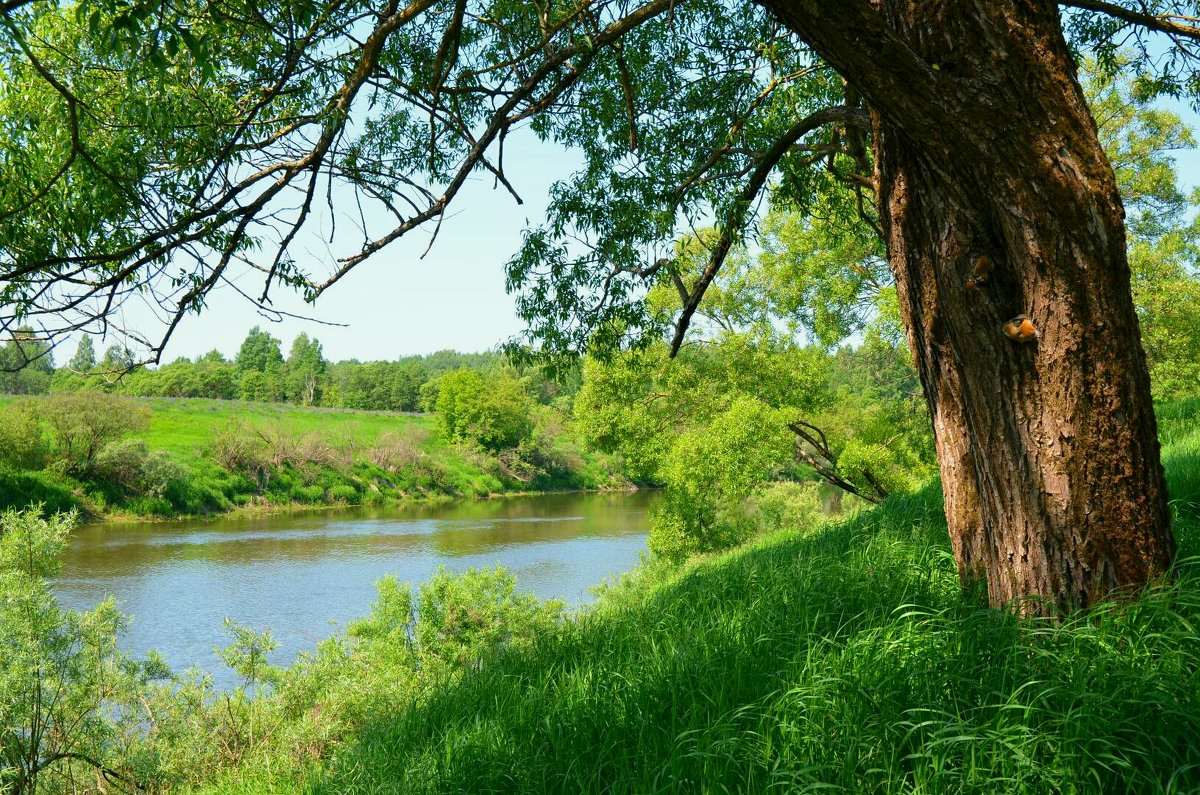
(711, 472)
(492, 411)
(21, 443)
(308, 494)
(787, 506)
(343, 492)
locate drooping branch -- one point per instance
(733, 223)
(813, 448)
(125, 269)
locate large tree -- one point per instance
(987, 153)
(153, 146)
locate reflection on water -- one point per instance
(297, 574)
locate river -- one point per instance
(304, 575)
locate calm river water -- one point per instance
(302, 576)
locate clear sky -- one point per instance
(396, 303)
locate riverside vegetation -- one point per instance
(844, 656)
(104, 453)
(757, 648)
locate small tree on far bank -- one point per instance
(260, 351)
(492, 411)
(305, 369)
(84, 360)
(82, 424)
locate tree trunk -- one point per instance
(985, 147)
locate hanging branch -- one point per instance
(733, 222)
(820, 457)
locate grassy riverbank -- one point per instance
(203, 457)
(845, 659)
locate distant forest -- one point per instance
(260, 371)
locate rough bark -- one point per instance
(984, 146)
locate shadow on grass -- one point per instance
(21, 489)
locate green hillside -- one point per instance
(846, 659)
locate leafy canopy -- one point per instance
(156, 151)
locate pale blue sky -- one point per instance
(396, 303)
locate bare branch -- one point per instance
(1163, 23)
(821, 458)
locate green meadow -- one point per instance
(214, 456)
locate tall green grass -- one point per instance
(846, 660)
(1179, 431)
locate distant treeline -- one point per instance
(259, 372)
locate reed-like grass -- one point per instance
(846, 660)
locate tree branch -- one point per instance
(505, 117)
(827, 468)
(1163, 23)
(731, 226)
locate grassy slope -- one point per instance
(187, 428)
(847, 660)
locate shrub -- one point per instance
(709, 475)
(60, 671)
(395, 451)
(84, 423)
(238, 450)
(308, 494)
(786, 506)
(162, 476)
(123, 463)
(21, 444)
(491, 411)
(150, 506)
(132, 465)
(462, 618)
(263, 453)
(343, 492)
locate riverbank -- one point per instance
(195, 458)
(846, 658)
(264, 509)
(302, 576)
